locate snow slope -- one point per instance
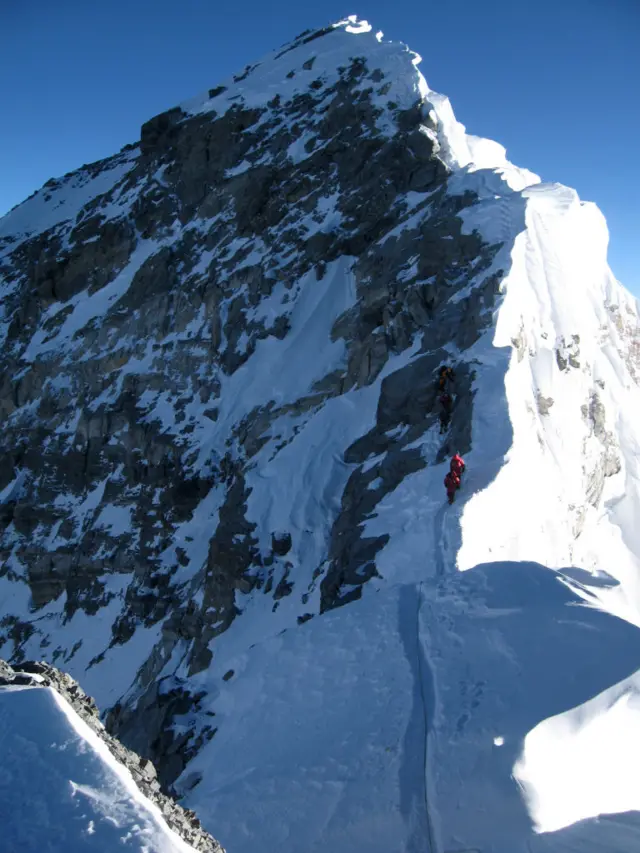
(61, 788)
(404, 733)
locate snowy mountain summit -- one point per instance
(222, 506)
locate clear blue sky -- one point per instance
(555, 81)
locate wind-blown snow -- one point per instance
(559, 285)
(61, 788)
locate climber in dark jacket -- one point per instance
(451, 484)
(447, 376)
(446, 404)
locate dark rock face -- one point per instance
(127, 486)
(158, 131)
(161, 703)
(181, 821)
(568, 353)
(544, 404)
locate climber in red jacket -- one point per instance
(451, 483)
(457, 465)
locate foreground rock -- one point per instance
(182, 821)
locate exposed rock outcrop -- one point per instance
(608, 460)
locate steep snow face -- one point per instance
(221, 411)
(572, 394)
(62, 789)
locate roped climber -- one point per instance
(451, 484)
(452, 481)
(446, 377)
(446, 403)
(457, 465)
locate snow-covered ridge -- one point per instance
(464, 152)
(283, 72)
(62, 200)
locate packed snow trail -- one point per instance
(439, 520)
(320, 761)
(414, 797)
(444, 519)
